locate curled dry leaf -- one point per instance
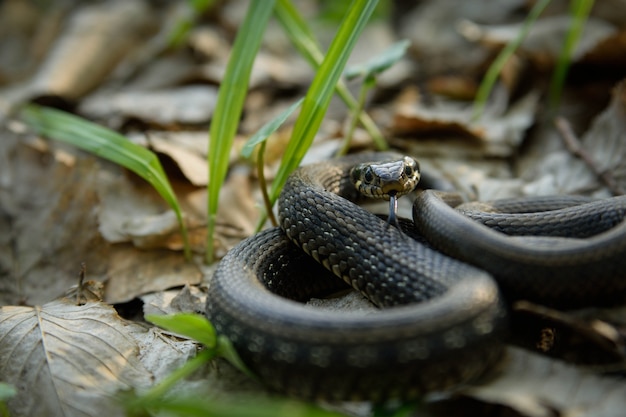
(432, 29)
(68, 360)
(535, 386)
(546, 37)
(136, 272)
(49, 221)
(76, 63)
(552, 169)
(498, 133)
(188, 150)
(191, 104)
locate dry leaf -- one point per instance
(135, 272)
(76, 64)
(189, 105)
(133, 212)
(189, 299)
(498, 133)
(535, 386)
(49, 220)
(551, 169)
(68, 360)
(546, 37)
(188, 150)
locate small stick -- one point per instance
(81, 280)
(573, 145)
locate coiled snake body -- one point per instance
(442, 320)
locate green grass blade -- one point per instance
(136, 405)
(579, 11)
(109, 145)
(235, 406)
(181, 30)
(270, 127)
(7, 391)
(320, 93)
(231, 96)
(194, 326)
(379, 63)
(199, 328)
(496, 67)
(302, 38)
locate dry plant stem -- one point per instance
(345, 146)
(260, 164)
(81, 280)
(573, 145)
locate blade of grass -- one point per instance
(233, 406)
(230, 101)
(270, 127)
(182, 28)
(198, 327)
(261, 137)
(191, 325)
(579, 10)
(165, 385)
(369, 71)
(496, 67)
(380, 63)
(301, 36)
(109, 145)
(320, 93)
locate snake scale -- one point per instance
(443, 316)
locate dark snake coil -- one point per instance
(442, 320)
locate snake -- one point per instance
(443, 298)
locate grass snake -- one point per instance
(443, 316)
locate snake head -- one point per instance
(384, 179)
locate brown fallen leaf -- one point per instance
(535, 386)
(498, 133)
(134, 272)
(75, 64)
(49, 219)
(552, 169)
(186, 105)
(68, 360)
(545, 39)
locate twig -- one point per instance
(81, 280)
(263, 184)
(573, 145)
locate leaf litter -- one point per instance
(89, 211)
(76, 357)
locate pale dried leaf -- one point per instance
(238, 210)
(49, 221)
(192, 104)
(76, 65)
(122, 202)
(498, 133)
(161, 353)
(546, 37)
(135, 272)
(189, 299)
(551, 169)
(432, 29)
(192, 163)
(536, 386)
(68, 360)
(133, 212)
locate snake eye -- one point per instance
(368, 175)
(408, 170)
